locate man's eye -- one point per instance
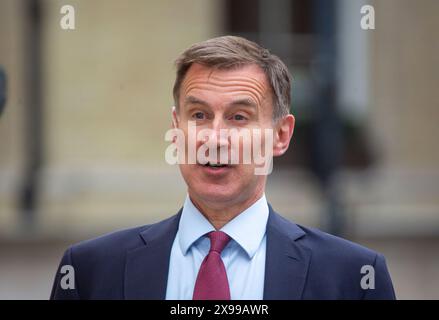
(198, 115)
(239, 117)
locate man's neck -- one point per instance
(220, 214)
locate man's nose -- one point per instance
(218, 133)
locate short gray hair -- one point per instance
(229, 52)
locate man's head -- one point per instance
(231, 52)
(230, 83)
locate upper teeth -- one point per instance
(215, 164)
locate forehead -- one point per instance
(246, 80)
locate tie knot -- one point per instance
(218, 240)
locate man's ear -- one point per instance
(174, 117)
(282, 136)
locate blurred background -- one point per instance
(82, 131)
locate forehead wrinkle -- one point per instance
(253, 87)
(226, 82)
(235, 79)
(215, 76)
(239, 91)
(252, 84)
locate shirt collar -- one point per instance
(247, 228)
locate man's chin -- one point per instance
(217, 195)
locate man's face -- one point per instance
(215, 99)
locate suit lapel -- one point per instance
(286, 265)
(287, 262)
(146, 269)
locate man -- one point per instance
(226, 242)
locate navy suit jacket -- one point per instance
(301, 263)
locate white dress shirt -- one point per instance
(243, 257)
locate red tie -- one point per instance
(212, 283)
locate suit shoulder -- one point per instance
(115, 242)
(322, 245)
(114, 239)
(329, 245)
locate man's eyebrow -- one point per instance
(238, 102)
(194, 100)
(244, 102)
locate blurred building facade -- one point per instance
(104, 100)
(82, 136)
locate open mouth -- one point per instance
(215, 165)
